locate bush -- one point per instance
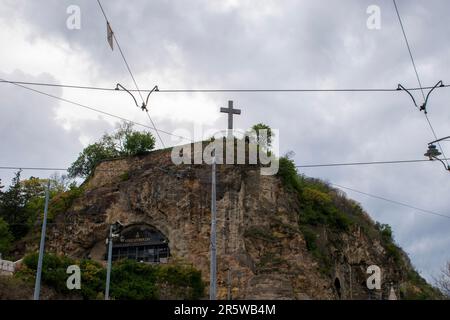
(317, 198)
(6, 237)
(62, 202)
(310, 238)
(53, 270)
(388, 243)
(288, 174)
(130, 280)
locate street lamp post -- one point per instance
(37, 286)
(113, 232)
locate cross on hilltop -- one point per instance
(230, 112)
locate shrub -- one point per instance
(310, 238)
(53, 269)
(63, 201)
(130, 280)
(6, 237)
(288, 174)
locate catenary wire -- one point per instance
(363, 163)
(131, 74)
(98, 111)
(392, 201)
(299, 166)
(161, 90)
(417, 76)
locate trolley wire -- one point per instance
(97, 110)
(250, 90)
(130, 72)
(363, 163)
(417, 76)
(392, 201)
(37, 168)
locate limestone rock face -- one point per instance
(258, 234)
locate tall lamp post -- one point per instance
(37, 286)
(213, 268)
(114, 230)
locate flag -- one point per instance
(109, 35)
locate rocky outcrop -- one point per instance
(261, 252)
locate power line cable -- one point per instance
(130, 72)
(392, 201)
(409, 48)
(417, 76)
(83, 87)
(425, 211)
(299, 166)
(363, 163)
(97, 110)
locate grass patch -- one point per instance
(260, 233)
(125, 176)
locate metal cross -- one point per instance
(230, 112)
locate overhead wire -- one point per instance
(341, 164)
(418, 78)
(131, 73)
(392, 201)
(363, 163)
(85, 87)
(98, 110)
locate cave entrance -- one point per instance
(141, 243)
(337, 286)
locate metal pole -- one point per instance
(108, 271)
(37, 286)
(213, 270)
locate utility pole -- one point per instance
(37, 286)
(213, 268)
(114, 229)
(108, 270)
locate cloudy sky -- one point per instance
(244, 44)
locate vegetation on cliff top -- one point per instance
(124, 142)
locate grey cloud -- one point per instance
(304, 44)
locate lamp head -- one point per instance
(432, 152)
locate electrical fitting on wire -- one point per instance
(144, 104)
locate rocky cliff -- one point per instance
(263, 251)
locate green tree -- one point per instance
(5, 237)
(264, 135)
(12, 207)
(128, 142)
(124, 142)
(139, 143)
(89, 158)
